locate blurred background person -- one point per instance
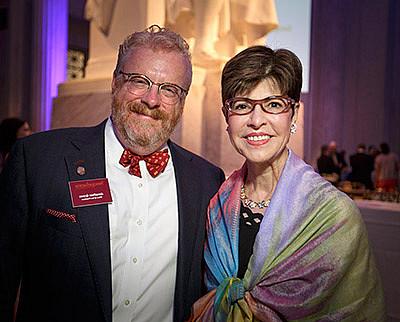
(373, 151)
(337, 158)
(325, 165)
(11, 129)
(387, 169)
(345, 170)
(362, 165)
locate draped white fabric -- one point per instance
(383, 224)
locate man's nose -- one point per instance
(151, 98)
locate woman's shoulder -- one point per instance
(319, 193)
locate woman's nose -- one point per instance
(257, 117)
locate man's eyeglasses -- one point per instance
(139, 85)
(270, 105)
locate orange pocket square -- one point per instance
(62, 215)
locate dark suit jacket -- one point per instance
(326, 165)
(362, 166)
(64, 266)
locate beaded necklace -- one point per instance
(251, 203)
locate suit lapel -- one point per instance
(88, 153)
(188, 222)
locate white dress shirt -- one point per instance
(143, 238)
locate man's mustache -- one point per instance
(140, 108)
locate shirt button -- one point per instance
(139, 222)
(127, 302)
(140, 185)
(134, 260)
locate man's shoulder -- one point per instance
(358, 156)
(197, 159)
(366, 157)
(58, 135)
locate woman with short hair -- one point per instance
(283, 244)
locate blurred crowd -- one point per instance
(373, 168)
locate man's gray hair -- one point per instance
(155, 38)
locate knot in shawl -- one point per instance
(232, 288)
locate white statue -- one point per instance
(100, 12)
(218, 27)
(221, 26)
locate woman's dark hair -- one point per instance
(384, 148)
(248, 68)
(8, 133)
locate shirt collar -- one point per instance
(114, 148)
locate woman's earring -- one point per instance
(293, 128)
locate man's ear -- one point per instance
(113, 85)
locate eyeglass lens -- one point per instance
(140, 85)
(273, 105)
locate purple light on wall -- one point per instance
(57, 51)
(50, 63)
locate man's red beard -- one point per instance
(152, 133)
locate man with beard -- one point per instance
(107, 223)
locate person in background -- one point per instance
(107, 223)
(373, 151)
(337, 158)
(326, 167)
(283, 244)
(11, 129)
(362, 165)
(345, 171)
(387, 167)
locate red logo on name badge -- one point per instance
(90, 192)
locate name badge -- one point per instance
(90, 192)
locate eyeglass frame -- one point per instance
(291, 104)
(159, 85)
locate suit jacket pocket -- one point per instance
(61, 214)
(61, 221)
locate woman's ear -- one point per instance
(297, 105)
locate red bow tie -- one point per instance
(155, 162)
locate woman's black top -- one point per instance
(249, 224)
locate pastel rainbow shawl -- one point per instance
(311, 260)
